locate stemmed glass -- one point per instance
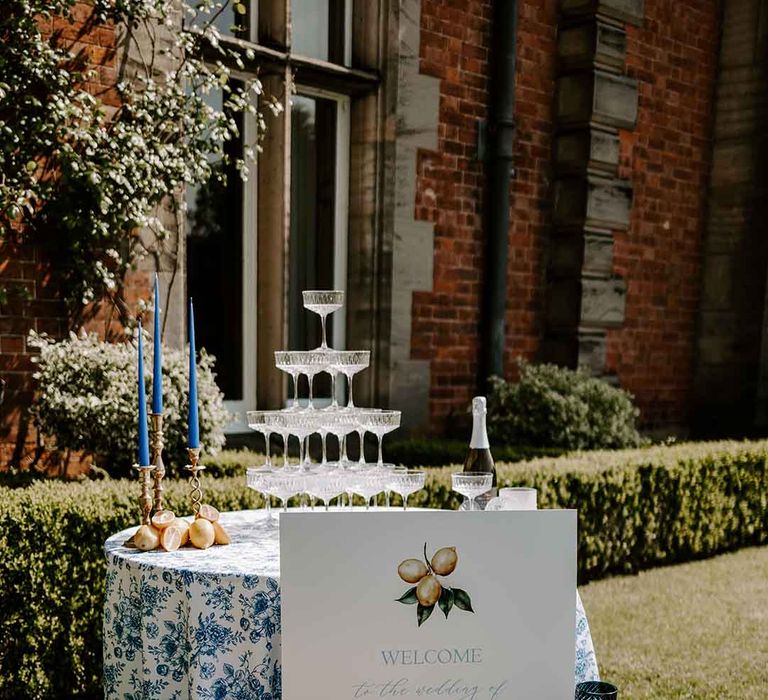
(311, 362)
(302, 425)
(404, 483)
(323, 302)
(288, 362)
(258, 420)
(325, 486)
(283, 486)
(349, 363)
(379, 423)
(368, 484)
(259, 479)
(471, 485)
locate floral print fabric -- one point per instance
(205, 624)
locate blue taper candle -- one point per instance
(157, 370)
(193, 427)
(143, 430)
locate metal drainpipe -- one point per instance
(501, 128)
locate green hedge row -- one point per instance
(637, 509)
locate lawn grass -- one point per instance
(697, 630)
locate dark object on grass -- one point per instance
(596, 690)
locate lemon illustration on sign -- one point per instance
(412, 570)
(444, 561)
(428, 590)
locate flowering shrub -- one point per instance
(558, 407)
(78, 178)
(86, 399)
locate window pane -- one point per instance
(318, 29)
(225, 17)
(313, 194)
(215, 267)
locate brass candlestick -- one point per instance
(196, 492)
(156, 447)
(145, 500)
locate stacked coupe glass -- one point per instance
(324, 481)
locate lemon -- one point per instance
(428, 590)
(146, 538)
(201, 533)
(208, 513)
(412, 570)
(444, 561)
(220, 534)
(163, 518)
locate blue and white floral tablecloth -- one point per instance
(206, 624)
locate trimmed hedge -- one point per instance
(410, 453)
(637, 509)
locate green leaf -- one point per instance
(240, 8)
(462, 600)
(409, 597)
(423, 613)
(446, 601)
(31, 166)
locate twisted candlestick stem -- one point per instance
(196, 492)
(145, 500)
(157, 458)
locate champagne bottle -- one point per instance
(479, 459)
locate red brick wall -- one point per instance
(673, 55)
(455, 41)
(33, 301)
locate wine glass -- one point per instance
(367, 483)
(404, 482)
(471, 485)
(258, 479)
(349, 363)
(311, 362)
(323, 302)
(302, 424)
(284, 486)
(287, 362)
(379, 423)
(258, 421)
(326, 486)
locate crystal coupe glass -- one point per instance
(379, 423)
(288, 362)
(404, 482)
(349, 363)
(323, 302)
(258, 421)
(471, 485)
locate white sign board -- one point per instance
(487, 614)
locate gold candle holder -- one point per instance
(145, 500)
(196, 492)
(156, 449)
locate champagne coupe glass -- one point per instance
(349, 363)
(325, 486)
(311, 363)
(323, 302)
(471, 485)
(287, 361)
(368, 483)
(379, 423)
(258, 421)
(283, 486)
(258, 479)
(405, 482)
(302, 424)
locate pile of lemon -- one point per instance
(168, 532)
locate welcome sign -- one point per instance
(428, 604)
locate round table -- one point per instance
(205, 624)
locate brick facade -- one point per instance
(673, 56)
(33, 302)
